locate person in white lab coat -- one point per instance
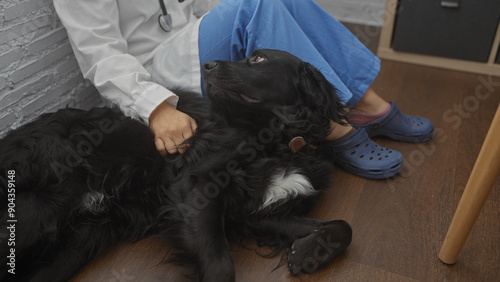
(135, 51)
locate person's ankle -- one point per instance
(358, 117)
(370, 103)
(338, 131)
(370, 109)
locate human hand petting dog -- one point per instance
(171, 127)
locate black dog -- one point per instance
(75, 182)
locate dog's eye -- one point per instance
(258, 59)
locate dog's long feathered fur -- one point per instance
(85, 180)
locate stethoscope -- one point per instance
(165, 19)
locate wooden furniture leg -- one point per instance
(480, 183)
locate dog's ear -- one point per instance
(320, 96)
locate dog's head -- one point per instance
(274, 83)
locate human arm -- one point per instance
(94, 31)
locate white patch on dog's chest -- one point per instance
(287, 185)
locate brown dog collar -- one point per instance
(298, 144)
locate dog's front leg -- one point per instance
(201, 238)
(213, 254)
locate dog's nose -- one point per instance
(209, 65)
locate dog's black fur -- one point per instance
(85, 180)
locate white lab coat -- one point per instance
(116, 41)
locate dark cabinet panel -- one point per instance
(466, 32)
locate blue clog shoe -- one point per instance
(400, 127)
(359, 155)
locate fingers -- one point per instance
(177, 145)
(171, 129)
(160, 146)
(168, 142)
(166, 145)
(194, 126)
(187, 133)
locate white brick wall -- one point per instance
(38, 71)
(366, 12)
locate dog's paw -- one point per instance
(319, 248)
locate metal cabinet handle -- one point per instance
(455, 4)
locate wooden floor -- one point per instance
(399, 224)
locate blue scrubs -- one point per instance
(235, 28)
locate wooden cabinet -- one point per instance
(465, 37)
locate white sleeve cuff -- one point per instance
(151, 98)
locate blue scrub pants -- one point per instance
(235, 28)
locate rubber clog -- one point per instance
(399, 127)
(359, 155)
